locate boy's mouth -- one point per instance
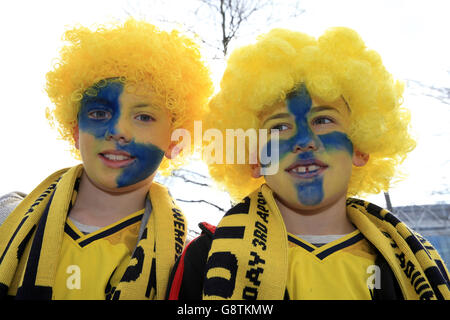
(305, 169)
(116, 158)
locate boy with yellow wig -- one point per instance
(104, 229)
(335, 120)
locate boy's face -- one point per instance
(122, 137)
(315, 154)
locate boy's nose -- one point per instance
(310, 146)
(305, 141)
(117, 134)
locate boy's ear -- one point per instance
(173, 150)
(76, 137)
(360, 158)
(256, 170)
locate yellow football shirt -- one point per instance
(90, 264)
(338, 270)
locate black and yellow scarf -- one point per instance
(249, 253)
(31, 238)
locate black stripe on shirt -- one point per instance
(301, 244)
(72, 233)
(110, 231)
(339, 246)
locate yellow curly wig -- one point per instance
(334, 65)
(143, 58)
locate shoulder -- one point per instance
(8, 203)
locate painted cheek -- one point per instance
(336, 140)
(338, 175)
(148, 159)
(89, 148)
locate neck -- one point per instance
(98, 207)
(326, 220)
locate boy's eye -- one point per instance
(99, 115)
(281, 127)
(322, 120)
(144, 118)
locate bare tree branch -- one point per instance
(202, 201)
(230, 17)
(185, 179)
(192, 172)
(225, 39)
(233, 14)
(210, 4)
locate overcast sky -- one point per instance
(411, 36)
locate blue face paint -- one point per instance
(310, 193)
(147, 156)
(107, 100)
(336, 141)
(299, 105)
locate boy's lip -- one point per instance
(306, 169)
(116, 158)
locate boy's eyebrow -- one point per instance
(326, 107)
(141, 105)
(96, 99)
(277, 116)
(146, 105)
(323, 108)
